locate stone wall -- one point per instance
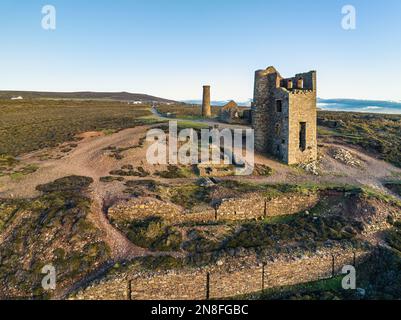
(256, 206)
(224, 281)
(250, 207)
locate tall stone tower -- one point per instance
(206, 109)
(284, 115)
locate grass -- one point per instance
(8, 212)
(280, 219)
(7, 161)
(52, 229)
(262, 170)
(175, 172)
(30, 125)
(108, 179)
(140, 188)
(71, 183)
(306, 229)
(372, 193)
(151, 233)
(129, 171)
(154, 263)
(18, 174)
(186, 111)
(309, 229)
(325, 289)
(376, 133)
(379, 275)
(182, 124)
(188, 196)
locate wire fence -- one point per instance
(218, 284)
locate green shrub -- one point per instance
(189, 196)
(110, 179)
(153, 233)
(124, 172)
(173, 172)
(71, 183)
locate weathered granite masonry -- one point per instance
(227, 280)
(250, 207)
(233, 114)
(284, 115)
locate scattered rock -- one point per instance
(311, 167)
(205, 182)
(346, 157)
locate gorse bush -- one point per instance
(71, 183)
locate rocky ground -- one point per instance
(116, 162)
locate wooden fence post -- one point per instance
(332, 266)
(263, 276)
(129, 289)
(354, 258)
(215, 213)
(207, 285)
(265, 210)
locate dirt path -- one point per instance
(372, 173)
(87, 159)
(91, 158)
(121, 247)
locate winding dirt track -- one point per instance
(90, 158)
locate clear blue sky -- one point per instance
(170, 48)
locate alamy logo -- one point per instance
(49, 280)
(214, 146)
(49, 17)
(349, 281)
(349, 19)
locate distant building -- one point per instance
(231, 113)
(17, 98)
(284, 115)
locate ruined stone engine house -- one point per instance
(284, 115)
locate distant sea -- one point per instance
(354, 105)
(350, 105)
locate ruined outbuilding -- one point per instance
(232, 113)
(284, 115)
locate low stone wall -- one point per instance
(252, 207)
(255, 206)
(223, 282)
(141, 208)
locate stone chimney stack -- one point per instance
(206, 109)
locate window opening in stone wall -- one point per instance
(302, 136)
(279, 106)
